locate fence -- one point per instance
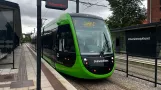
(127, 68)
(142, 41)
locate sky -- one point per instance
(29, 11)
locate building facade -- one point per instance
(154, 11)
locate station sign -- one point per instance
(57, 4)
(141, 42)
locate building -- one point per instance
(152, 30)
(153, 22)
(154, 11)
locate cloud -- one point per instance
(29, 10)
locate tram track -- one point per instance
(99, 84)
(103, 84)
(84, 84)
(116, 82)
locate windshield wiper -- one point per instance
(104, 46)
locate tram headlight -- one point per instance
(85, 59)
(94, 70)
(112, 61)
(86, 63)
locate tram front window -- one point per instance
(93, 36)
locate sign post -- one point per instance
(52, 4)
(38, 44)
(77, 7)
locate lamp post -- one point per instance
(38, 44)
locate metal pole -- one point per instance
(156, 58)
(35, 39)
(42, 42)
(13, 59)
(150, 11)
(13, 42)
(156, 62)
(13, 50)
(77, 6)
(38, 44)
(127, 65)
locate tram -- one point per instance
(79, 45)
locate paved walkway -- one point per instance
(9, 59)
(139, 59)
(57, 81)
(23, 78)
(2, 55)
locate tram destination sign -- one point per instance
(57, 4)
(141, 42)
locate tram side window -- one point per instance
(66, 42)
(69, 42)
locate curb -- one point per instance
(63, 81)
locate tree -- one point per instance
(27, 38)
(126, 13)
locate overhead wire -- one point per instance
(45, 12)
(88, 3)
(92, 5)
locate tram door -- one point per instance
(66, 51)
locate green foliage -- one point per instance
(26, 39)
(126, 13)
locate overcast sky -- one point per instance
(28, 11)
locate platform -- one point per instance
(24, 77)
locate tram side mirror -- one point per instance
(62, 22)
